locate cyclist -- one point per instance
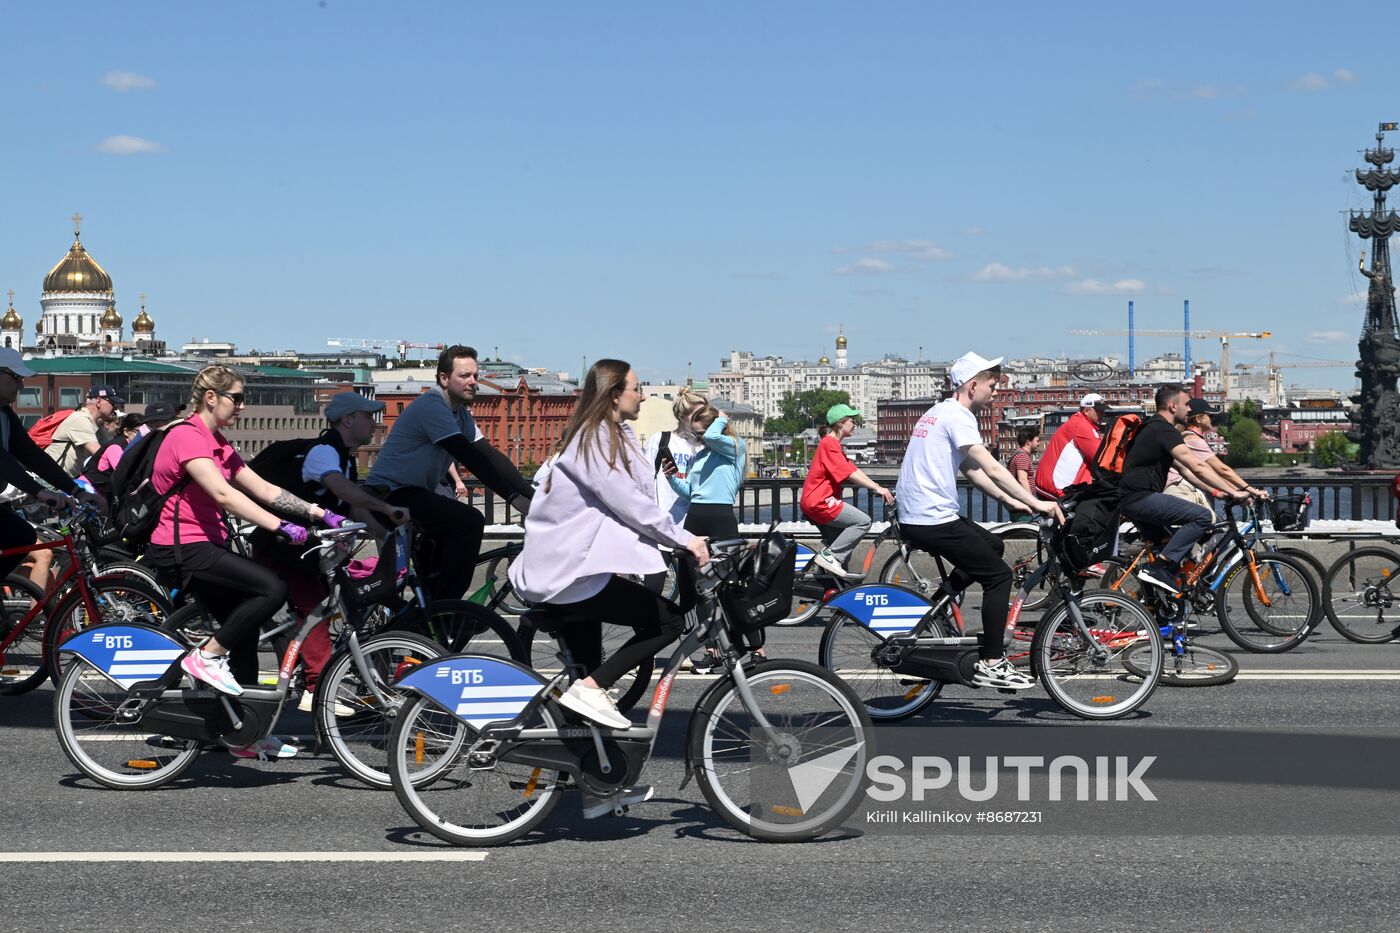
(1071, 449)
(322, 472)
(1022, 462)
(435, 431)
(19, 455)
(840, 523)
(203, 478)
(1155, 449)
(594, 519)
(946, 440)
(79, 436)
(1199, 415)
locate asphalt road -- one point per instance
(1309, 853)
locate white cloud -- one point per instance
(867, 267)
(123, 81)
(1328, 336)
(1218, 91)
(1095, 287)
(761, 276)
(974, 230)
(129, 145)
(922, 250)
(1313, 82)
(996, 272)
(1355, 298)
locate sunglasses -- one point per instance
(237, 398)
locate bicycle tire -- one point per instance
(1076, 674)
(913, 575)
(25, 663)
(364, 734)
(422, 728)
(461, 627)
(543, 657)
(885, 695)
(1289, 589)
(118, 599)
(798, 697)
(1361, 597)
(132, 568)
(1025, 552)
(139, 762)
(511, 604)
(1197, 666)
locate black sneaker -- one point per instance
(1159, 576)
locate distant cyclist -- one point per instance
(81, 433)
(840, 523)
(1071, 449)
(946, 440)
(432, 433)
(594, 520)
(1022, 462)
(1199, 416)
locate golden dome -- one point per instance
(824, 361)
(111, 320)
(39, 327)
(143, 323)
(841, 342)
(78, 272)
(11, 320)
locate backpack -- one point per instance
(41, 432)
(1113, 448)
(281, 462)
(135, 504)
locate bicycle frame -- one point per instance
(54, 588)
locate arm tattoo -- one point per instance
(291, 505)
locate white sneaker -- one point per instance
(308, 703)
(828, 562)
(595, 704)
(1001, 674)
(268, 749)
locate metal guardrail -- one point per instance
(1361, 497)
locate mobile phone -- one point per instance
(668, 462)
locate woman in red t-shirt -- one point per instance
(841, 524)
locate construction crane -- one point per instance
(1275, 396)
(400, 346)
(1223, 336)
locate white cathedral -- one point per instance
(79, 312)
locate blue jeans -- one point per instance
(1155, 512)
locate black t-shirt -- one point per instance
(1149, 459)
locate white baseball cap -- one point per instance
(1092, 400)
(969, 365)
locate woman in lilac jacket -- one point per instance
(595, 518)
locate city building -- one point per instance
(1297, 425)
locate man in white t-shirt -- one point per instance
(945, 441)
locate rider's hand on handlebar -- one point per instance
(332, 520)
(1241, 495)
(885, 494)
(400, 516)
(293, 532)
(700, 550)
(93, 499)
(1051, 509)
(54, 500)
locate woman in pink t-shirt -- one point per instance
(209, 480)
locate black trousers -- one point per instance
(621, 602)
(975, 554)
(14, 532)
(451, 539)
(713, 521)
(240, 593)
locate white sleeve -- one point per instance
(964, 431)
(320, 460)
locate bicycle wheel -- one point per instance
(460, 627)
(1196, 666)
(1117, 579)
(1084, 675)
(1361, 595)
(464, 797)
(543, 654)
(23, 662)
(802, 780)
(359, 738)
(850, 650)
(918, 572)
(118, 598)
(115, 753)
(1272, 611)
(511, 604)
(1024, 552)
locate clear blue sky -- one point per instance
(662, 182)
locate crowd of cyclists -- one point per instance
(598, 516)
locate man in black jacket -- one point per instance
(432, 433)
(18, 457)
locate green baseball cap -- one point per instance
(836, 412)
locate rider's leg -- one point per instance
(975, 554)
(15, 532)
(242, 595)
(1159, 512)
(844, 532)
(626, 603)
(455, 530)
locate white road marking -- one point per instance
(430, 855)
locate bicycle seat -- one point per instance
(547, 619)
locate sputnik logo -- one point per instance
(810, 779)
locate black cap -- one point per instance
(159, 413)
(1199, 406)
(109, 393)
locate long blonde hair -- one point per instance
(594, 413)
(683, 405)
(217, 378)
(706, 417)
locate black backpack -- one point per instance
(281, 462)
(135, 505)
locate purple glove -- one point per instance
(332, 520)
(295, 533)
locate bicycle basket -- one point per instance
(1291, 513)
(760, 591)
(381, 584)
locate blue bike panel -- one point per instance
(884, 609)
(804, 557)
(125, 652)
(475, 688)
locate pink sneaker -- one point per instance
(212, 670)
(266, 750)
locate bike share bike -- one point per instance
(483, 752)
(897, 649)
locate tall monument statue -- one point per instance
(1376, 417)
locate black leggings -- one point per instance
(712, 521)
(975, 554)
(14, 532)
(621, 602)
(240, 593)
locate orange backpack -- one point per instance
(1113, 449)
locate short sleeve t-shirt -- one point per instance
(411, 456)
(68, 447)
(683, 451)
(323, 459)
(1149, 459)
(821, 493)
(1021, 460)
(200, 517)
(1199, 446)
(928, 477)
